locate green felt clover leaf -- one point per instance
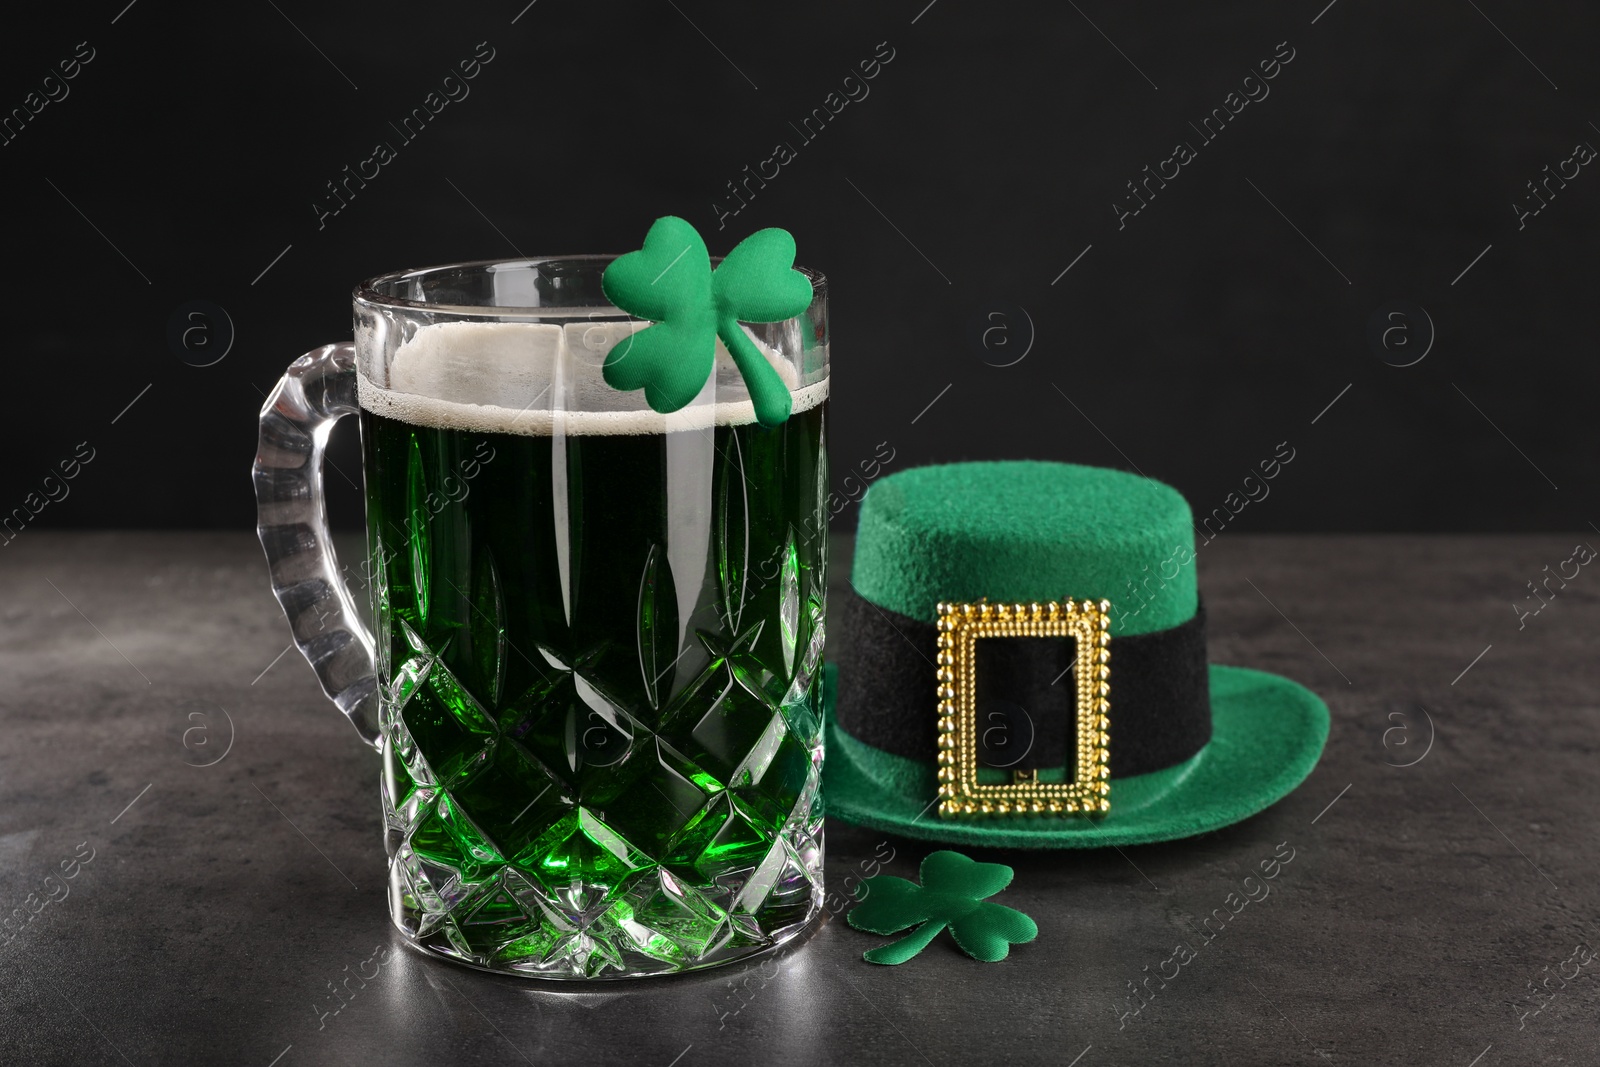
(951, 895)
(670, 282)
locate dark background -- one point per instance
(1217, 323)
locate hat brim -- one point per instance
(1267, 734)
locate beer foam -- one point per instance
(540, 379)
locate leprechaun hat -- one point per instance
(1022, 663)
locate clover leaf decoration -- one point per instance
(952, 894)
(670, 282)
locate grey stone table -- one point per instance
(220, 823)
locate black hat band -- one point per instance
(1161, 697)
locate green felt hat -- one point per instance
(1191, 746)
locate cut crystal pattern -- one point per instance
(614, 788)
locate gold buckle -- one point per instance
(960, 627)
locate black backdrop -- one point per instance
(1373, 177)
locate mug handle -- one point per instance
(315, 392)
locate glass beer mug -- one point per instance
(594, 669)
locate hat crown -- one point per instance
(1023, 531)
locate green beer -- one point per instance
(599, 655)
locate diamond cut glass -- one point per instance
(594, 665)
